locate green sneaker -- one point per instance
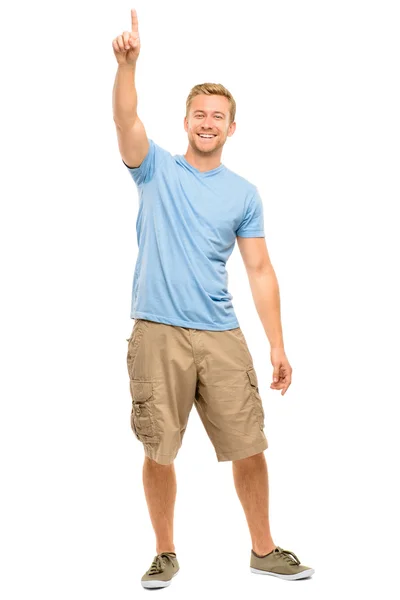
(163, 568)
(280, 563)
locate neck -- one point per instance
(203, 162)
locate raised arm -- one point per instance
(132, 138)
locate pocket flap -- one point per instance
(141, 390)
(253, 377)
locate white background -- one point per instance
(317, 91)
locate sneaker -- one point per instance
(280, 563)
(163, 568)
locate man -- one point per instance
(186, 345)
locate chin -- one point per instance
(206, 149)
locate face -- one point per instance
(208, 115)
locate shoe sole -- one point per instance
(301, 575)
(154, 583)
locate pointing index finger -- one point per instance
(134, 20)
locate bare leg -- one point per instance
(160, 490)
(251, 483)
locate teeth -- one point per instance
(206, 136)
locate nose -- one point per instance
(208, 123)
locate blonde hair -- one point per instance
(212, 89)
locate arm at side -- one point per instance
(264, 286)
(265, 291)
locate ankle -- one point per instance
(262, 550)
(165, 548)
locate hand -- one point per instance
(127, 46)
(282, 375)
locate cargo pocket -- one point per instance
(256, 397)
(142, 419)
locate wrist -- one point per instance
(127, 66)
(279, 346)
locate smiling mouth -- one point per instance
(206, 136)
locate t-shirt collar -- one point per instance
(197, 171)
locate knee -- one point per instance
(250, 460)
(156, 465)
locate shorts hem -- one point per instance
(244, 452)
(162, 459)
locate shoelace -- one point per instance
(287, 555)
(158, 565)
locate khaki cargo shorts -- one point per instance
(172, 367)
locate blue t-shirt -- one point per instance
(186, 229)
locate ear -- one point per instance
(185, 124)
(232, 129)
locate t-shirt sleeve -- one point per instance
(153, 159)
(252, 224)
